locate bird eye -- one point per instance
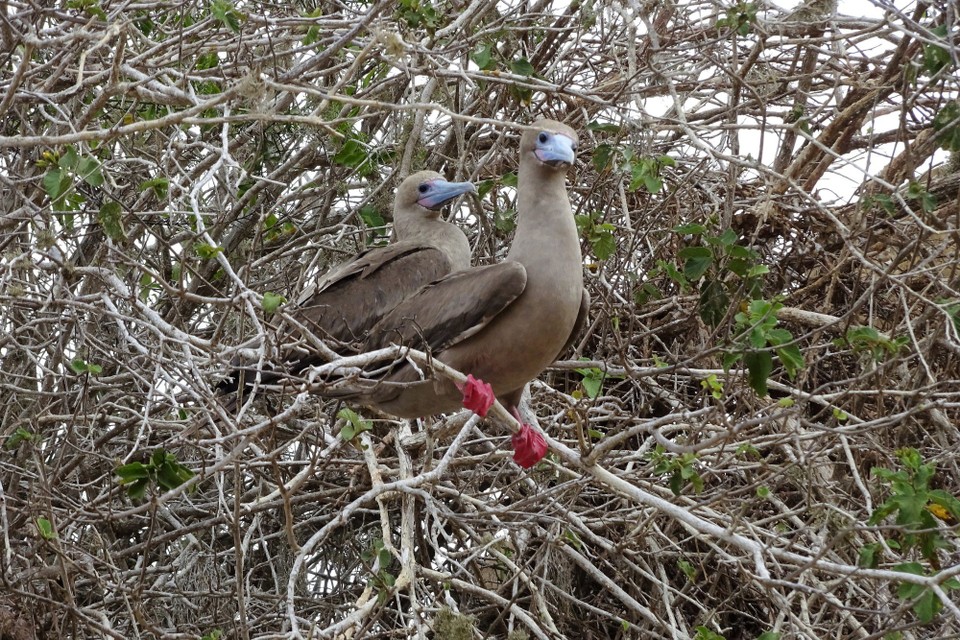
(423, 188)
(542, 138)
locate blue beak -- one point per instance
(555, 149)
(440, 191)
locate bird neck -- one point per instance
(545, 224)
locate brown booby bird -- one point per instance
(348, 302)
(344, 305)
(503, 323)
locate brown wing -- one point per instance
(363, 264)
(354, 298)
(347, 303)
(451, 309)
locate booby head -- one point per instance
(552, 142)
(429, 190)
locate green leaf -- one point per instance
(132, 471)
(45, 527)
(271, 302)
(604, 244)
(20, 435)
(69, 159)
(313, 32)
(157, 458)
(947, 126)
(355, 424)
(697, 261)
(111, 220)
(225, 12)
(676, 483)
(602, 155)
(603, 127)
(747, 450)
(56, 182)
(138, 489)
(691, 228)
(419, 13)
(88, 169)
(778, 336)
(869, 555)
(351, 154)
(592, 386)
(792, 358)
(759, 365)
(688, 569)
(703, 633)
(927, 606)
(371, 216)
(206, 251)
(645, 293)
(159, 186)
(209, 60)
(769, 635)
(522, 67)
(91, 7)
(509, 179)
(731, 358)
(935, 56)
(743, 253)
(673, 273)
(714, 302)
(483, 57)
(79, 366)
(505, 220)
(484, 187)
(168, 478)
(916, 191)
(652, 183)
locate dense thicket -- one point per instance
(756, 434)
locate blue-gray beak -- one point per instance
(439, 192)
(555, 149)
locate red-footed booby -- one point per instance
(344, 305)
(503, 323)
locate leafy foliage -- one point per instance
(162, 470)
(914, 503)
(600, 235)
(924, 600)
(681, 469)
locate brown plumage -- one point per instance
(503, 323)
(344, 305)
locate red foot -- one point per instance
(477, 396)
(529, 446)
